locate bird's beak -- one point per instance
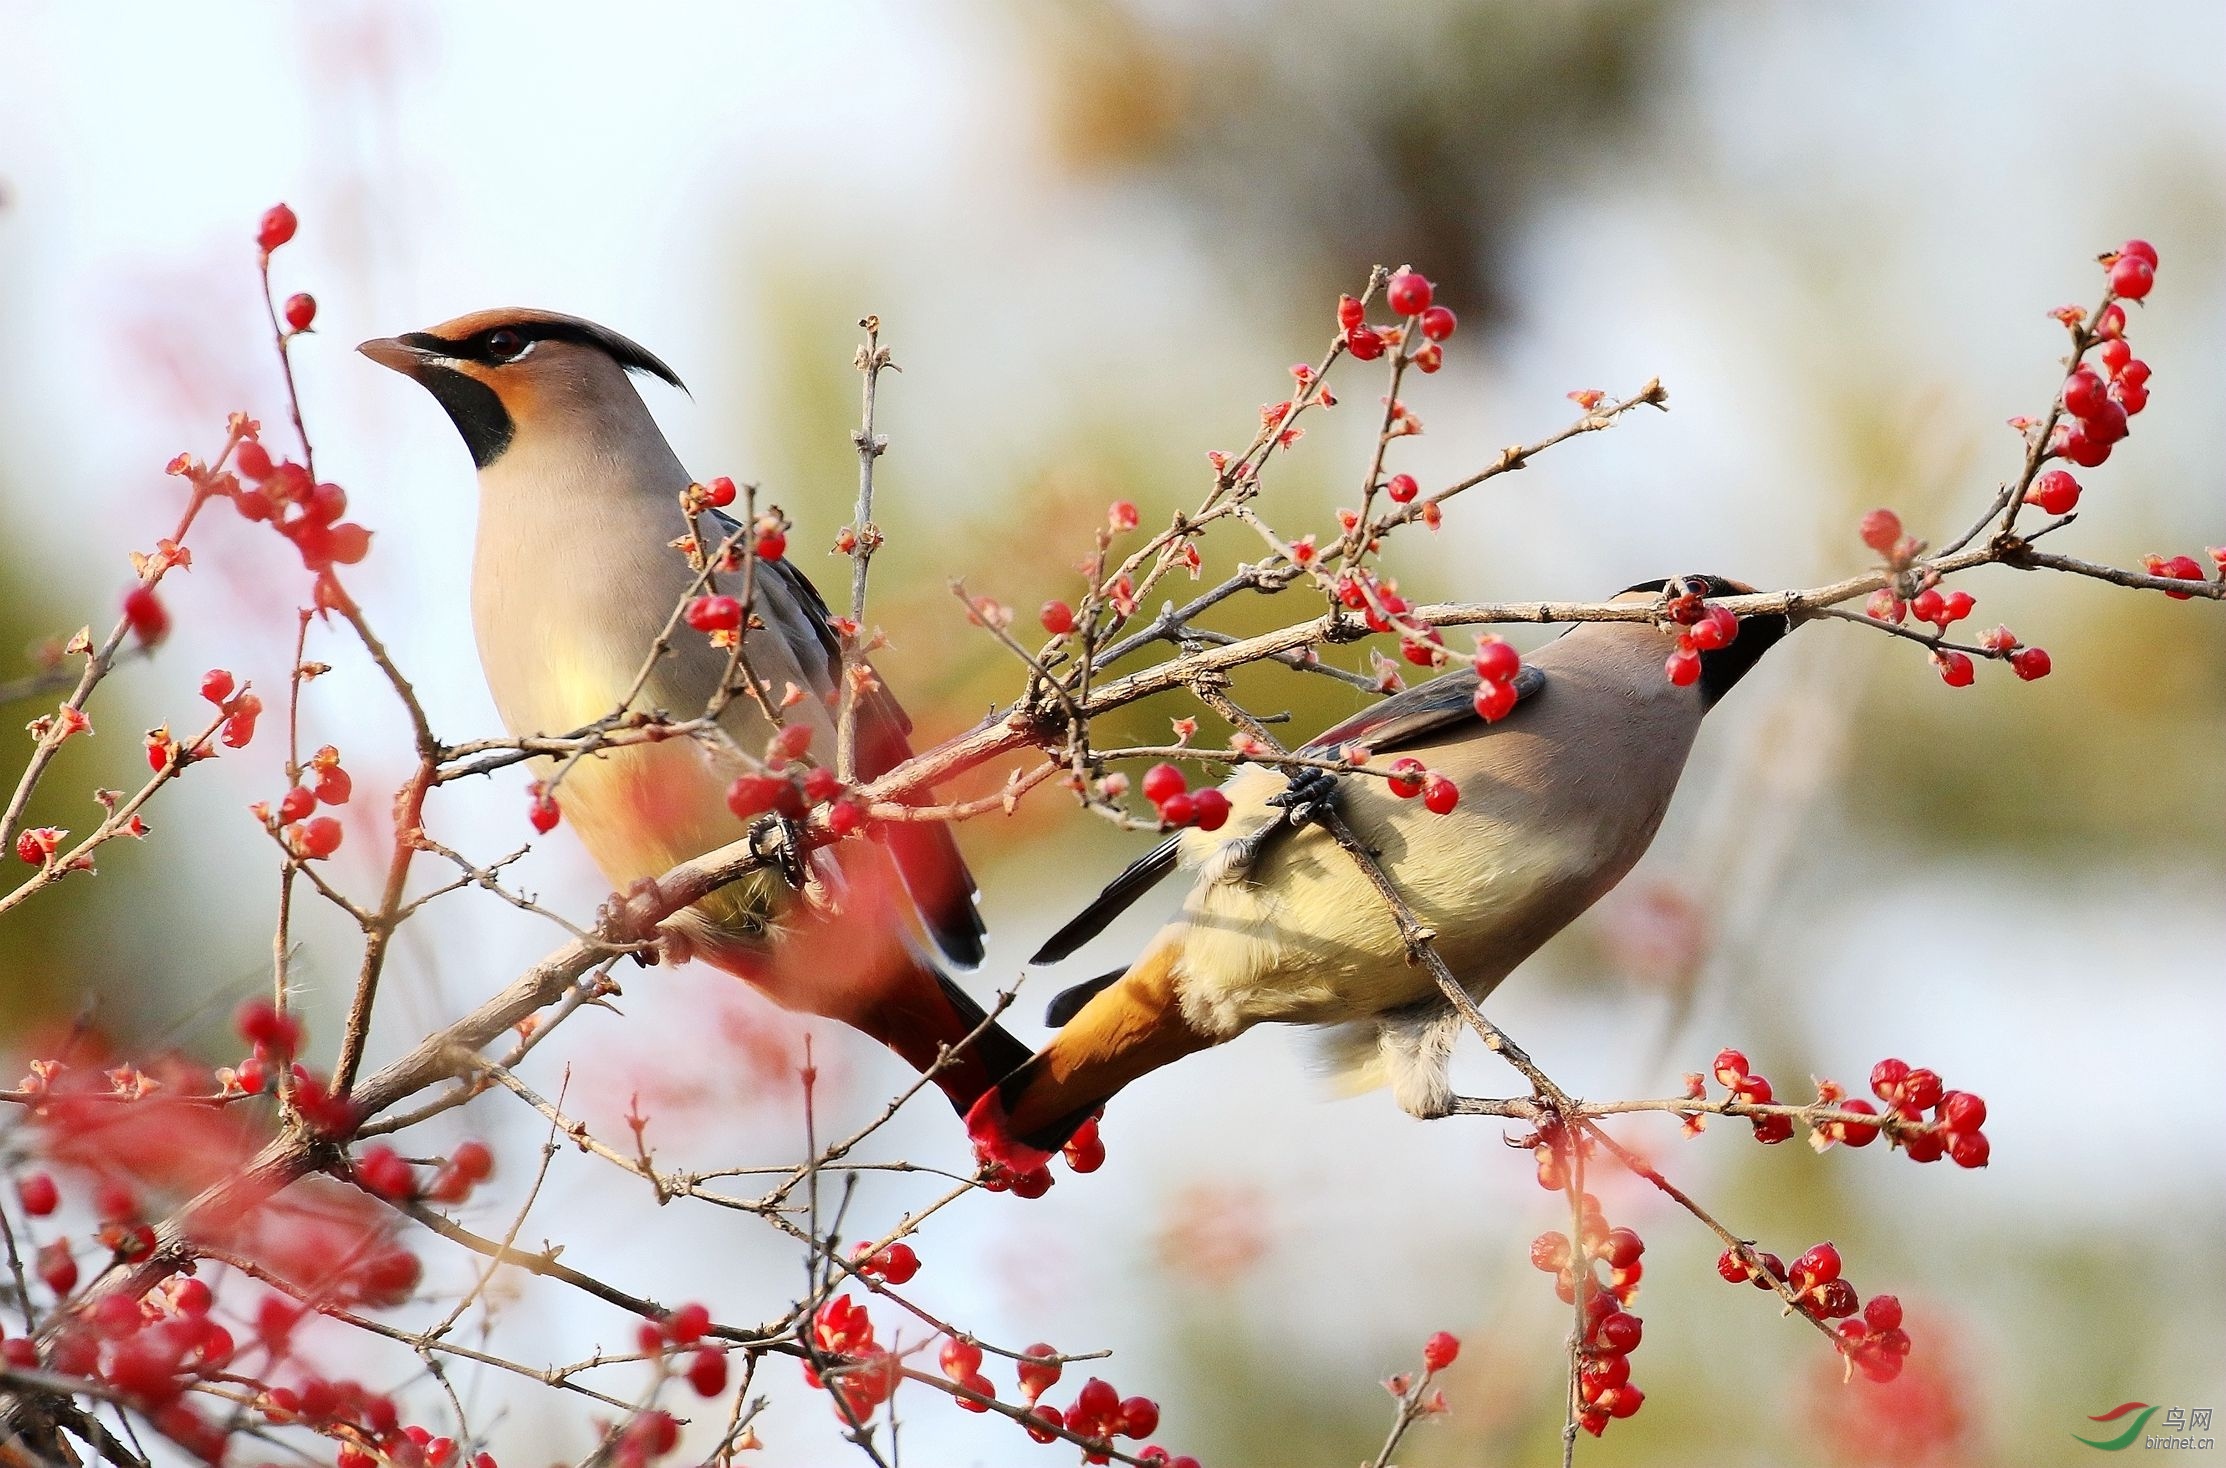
(391, 352)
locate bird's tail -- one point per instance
(1131, 1028)
(922, 1017)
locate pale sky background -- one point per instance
(1835, 239)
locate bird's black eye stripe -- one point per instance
(490, 348)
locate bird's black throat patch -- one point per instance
(474, 407)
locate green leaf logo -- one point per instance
(2124, 1439)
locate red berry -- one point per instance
(39, 1194)
(1962, 1111)
(382, 1170)
(2131, 399)
(719, 492)
(1619, 1333)
(1350, 313)
(771, 545)
(334, 785)
(714, 614)
(1121, 515)
(301, 310)
(1854, 1133)
(2111, 323)
(1440, 795)
(1886, 1078)
(1955, 669)
(1883, 1313)
(2107, 424)
(1881, 531)
(1717, 629)
(1096, 1400)
(543, 812)
(2030, 663)
(751, 796)
(1209, 809)
(1439, 1350)
(1622, 1248)
(1139, 1417)
(1550, 1251)
(845, 818)
(1408, 294)
(295, 805)
(2129, 372)
(1683, 668)
(1057, 618)
(1730, 1067)
(1401, 488)
(216, 686)
(1969, 1149)
(252, 459)
(1407, 777)
(473, 1160)
(1040, 1374)
(959, 1359)
(2054, 492)
(1927, 605)
(707, 1371)
(1423, 650)
(2141, 249)
(147, 617)
(1178, 809)
(2083, 395)
(1922, 1089)
(1438, 323)
(686, 1325)
(2115, 354)
(1733, 1267)
(1085, 1150)
(898, 1263)
(1955, 606)
(1044, 1413)
(320, 837)
(1495, 699)
(276, 229)
(2072, 442)
(1430, 358)
(1820, 1265)
(2177, 568)
(1497, 661)
(1364, 343)
(1161, 781)
(2132, 277)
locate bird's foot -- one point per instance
(625, 917)
(1307, 797)
(776, 841)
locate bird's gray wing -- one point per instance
(1409, 717)
(1397, 722)
(925, 852)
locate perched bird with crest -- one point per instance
(573, 579)
(1557, 800)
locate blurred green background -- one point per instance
(1097, 235)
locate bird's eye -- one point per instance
(505, 345)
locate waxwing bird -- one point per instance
(573, 579)
(1558, 799)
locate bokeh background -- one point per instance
(1097, 235)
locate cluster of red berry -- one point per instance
(1870, 1334)
(861, 1373)
(329, 784)
(1612, 1332)
(1084, 1153)
(1098, 1412)
(1957, 1116)
(792, 789)
(382, 1170)
(1178, 805)
(305, 512)
(1706, 629)
(1409, 296)
(1733, 1074)
(684, 1330)
(2099, 412)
